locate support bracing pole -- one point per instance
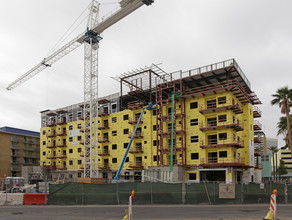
(117, 177)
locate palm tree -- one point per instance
(274, 150)
(283, 98)
(282, 129)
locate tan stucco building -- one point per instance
(18, 148)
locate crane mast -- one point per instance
(90, 38)
(90, 105)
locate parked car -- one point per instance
(14, 189)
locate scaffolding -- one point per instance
(170, 124)
(140, 85)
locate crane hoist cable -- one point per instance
(64, 36)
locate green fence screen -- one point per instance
(164, 193)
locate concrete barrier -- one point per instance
(12, 199)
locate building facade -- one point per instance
(202, 127)
(271, 142)
(18, 148)
(285, 155)
(267, 158)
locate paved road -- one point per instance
(142, 212)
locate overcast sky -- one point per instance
(180, 34)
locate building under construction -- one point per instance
(202, 128)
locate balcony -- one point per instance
(104, 166)
(15, 169)
(258, 140)
(164, 117)
(49, 167)
(61, 156)
(164, 149)
(176, 129)
(51, 146)
(105, 126)
(61, 167)
(103, 152)
(136, 149)
(36, 142)
(51, 123)
(16, 139)
(256, 112)
(81, 117)
(134, 121)
(138, 134)
(35, 156)
(62, 145)
(86, 130)
(229, 105)
(15, 162)
(136, 165)
(164, 133)
(82, 167)
(51, 157)
(15, 154)
(81, 154)
(257, 125)
(237, 126)
(104, 140)
(103, 113)
(28, 141)
(26, 148)
(61, 133)
(86, 142)
(222, 162)
(61, 122)
(51, 135)
(135, 105)
(221, 143)
(258, 166)
(15, 147)
(257, 152)
(26, 155)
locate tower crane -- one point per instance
(90, 38)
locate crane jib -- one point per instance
(127, 7)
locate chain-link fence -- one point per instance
(289, 193)
(2, 184)
(167, 193)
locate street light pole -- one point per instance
(5, 188)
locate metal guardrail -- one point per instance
(228, 103)
(257, 109)
(221, 160)
(15, 147)
(103, 152)
(257, 125)
(16, 169)
(212, 67)
(136, 149)
(214, 124)
(16, 139)
(214, 142)
(136, 164)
